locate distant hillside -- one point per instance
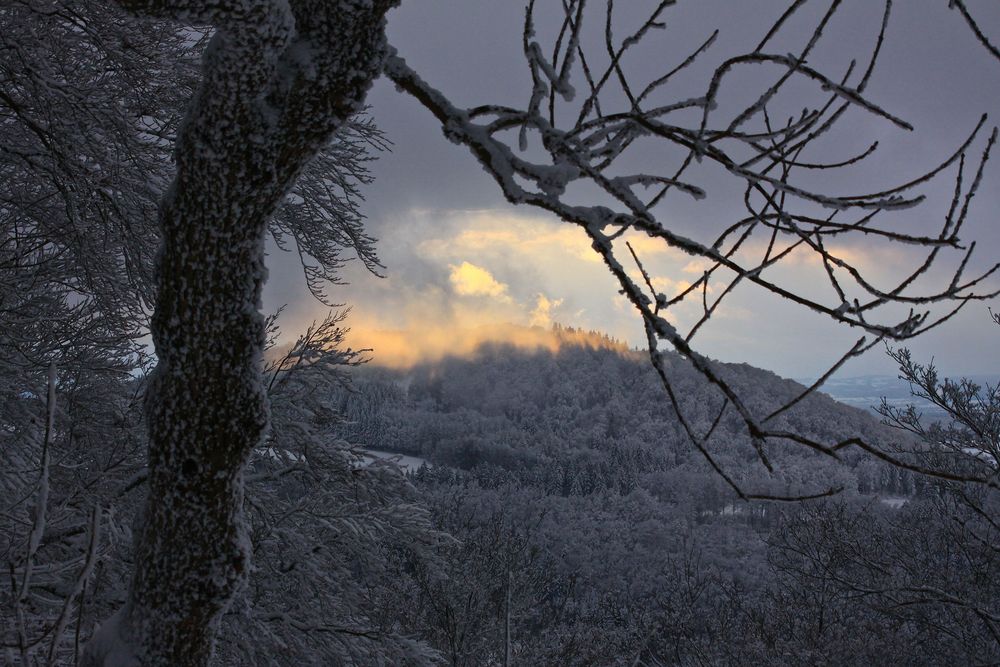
(581, 396)
(867, 391)
(588, 523)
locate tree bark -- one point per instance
(279, 79)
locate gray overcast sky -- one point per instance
(458, 256)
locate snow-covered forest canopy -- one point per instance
(181, 485)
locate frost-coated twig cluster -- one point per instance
(321, 519)
(50, 555)
(969, 438)
(588, 123)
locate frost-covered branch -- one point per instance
(976, 28)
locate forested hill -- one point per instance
(585, 411)
(591, 532)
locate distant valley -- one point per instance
(867, 391)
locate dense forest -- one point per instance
(549, 512)
(590, 531)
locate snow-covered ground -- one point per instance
(895, 502)
(405, 461)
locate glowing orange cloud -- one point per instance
(468, 279)
(484, 232)
(541, 316)
(402, 349)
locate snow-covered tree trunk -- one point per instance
(279, 79)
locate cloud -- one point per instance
(467, 279)
(489, 233)
(541, 316)
(459, 278)
(698, 265)
(481, 268)
(646, 247)
(669, 287)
